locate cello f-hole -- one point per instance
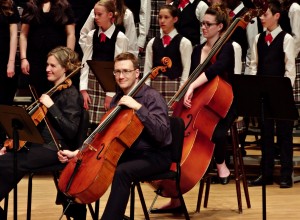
(98, 155)
(190, 117)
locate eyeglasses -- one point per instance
(125, 72)
(207, 24)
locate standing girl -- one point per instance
(124, 21)
(46, 24)
(9, 18)
(169, 44)
(101, 44)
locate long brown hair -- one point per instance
(6, 7)
(120, 11)
(57, 6)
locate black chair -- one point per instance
(237, 170)
(177, 129)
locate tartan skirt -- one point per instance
(296, 88)
(166, 87)
(97, 95)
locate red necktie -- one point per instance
(183, 3)
(102, 37)
(166, 40)
(231, 14)
(268, 38)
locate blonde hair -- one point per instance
(66, 57)
(108, 5)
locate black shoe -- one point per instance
(259, 181)
(169, 210)
(286, 182)
(224, 180)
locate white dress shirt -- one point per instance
(144, 24)
(294, 15)
(251, 32)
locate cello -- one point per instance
(214, 100)
(88, 175)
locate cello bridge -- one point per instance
(92, 148)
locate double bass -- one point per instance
(88, 175)
(211, 103)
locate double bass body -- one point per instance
(213, 102)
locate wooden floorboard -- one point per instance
(222, 204)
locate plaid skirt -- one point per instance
(166, 87)
(97, 95)
(296, 88)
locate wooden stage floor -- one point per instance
(222, 204)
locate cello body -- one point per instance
(100, 154)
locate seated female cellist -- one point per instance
(215, 22)
(149, 154)
(64, 109)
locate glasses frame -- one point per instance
(207, 24)
(125, 72)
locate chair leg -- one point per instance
(207, 188)
(139, 189)
(132, 198)
(239, 169)
(94, 211)
(6, 206)
(200, 194)
(29, 196)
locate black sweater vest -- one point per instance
(172, 51)
(271, 58)
(104, 51)
(188, 25)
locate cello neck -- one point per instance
(109, 118)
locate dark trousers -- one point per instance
(284, 133)
(34, 158)
(220, 134)
(132, 167)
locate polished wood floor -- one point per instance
(281, 203)
(222, 204)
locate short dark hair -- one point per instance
(274, 6)
(172, 9)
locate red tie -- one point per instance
(183, 3)
(166, 40)
(268, 38)
(231, 14)
(102, 37)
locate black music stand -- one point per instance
(103, 71)
(266, 97)
(18, 125)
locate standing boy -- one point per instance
(273, 55)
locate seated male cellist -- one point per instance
(149, 154)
